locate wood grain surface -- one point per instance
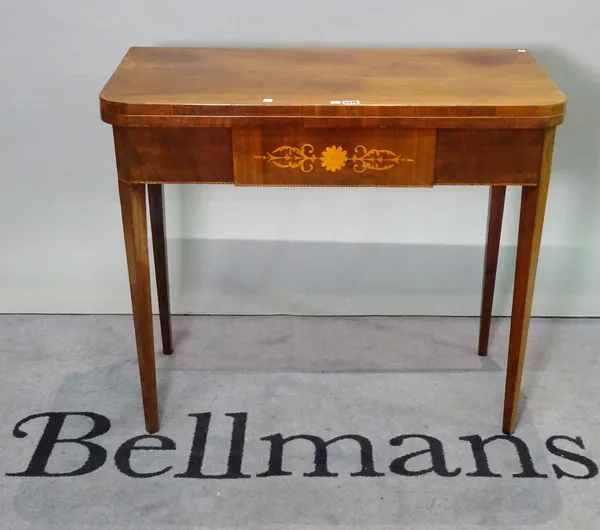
(466, 156)
(174, 155)
(168, 86)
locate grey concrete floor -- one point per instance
(410, 396)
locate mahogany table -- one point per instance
(331, 117)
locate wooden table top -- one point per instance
(154, 83)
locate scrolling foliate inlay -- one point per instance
(333, 158)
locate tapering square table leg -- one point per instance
(156, 202)
(492, 247)
(133, 211)
(533, 206)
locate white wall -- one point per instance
(271, 250)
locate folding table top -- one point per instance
(473, 87)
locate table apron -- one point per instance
(299, 156)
